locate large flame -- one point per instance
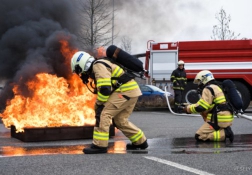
(55, 102)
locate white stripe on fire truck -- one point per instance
(222, 73)
(218, 65)
(206, 65)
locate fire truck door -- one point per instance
(162, 64)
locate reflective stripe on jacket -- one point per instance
(103, 76)
(178, 78)
(208, 101)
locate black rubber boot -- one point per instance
(95, 150)
(199, 140)
(131, 146)
(175, 109)
(229, 133)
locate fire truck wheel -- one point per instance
(244, 91)
(190, 94)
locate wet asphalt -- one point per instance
(172, 150)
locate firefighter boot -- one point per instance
(95, 150)
(229, 133)
(131, 146)
(175, 109)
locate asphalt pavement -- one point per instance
(172, 150)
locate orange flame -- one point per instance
(55, 102)
(101, 52)
(66, 51)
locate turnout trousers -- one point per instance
(119, 109)
(207, 132)
(178, 99)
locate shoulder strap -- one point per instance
(214, 113)
(211, 90)
(105, 64)
(110, 60)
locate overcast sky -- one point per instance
(178, 20)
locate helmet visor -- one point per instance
(88, 64)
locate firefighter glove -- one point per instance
(97, 106)
(98, 111)
(183, 109)
(175, 83)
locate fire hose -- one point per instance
(169, 106)
(239, 115)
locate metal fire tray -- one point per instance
(56, 133)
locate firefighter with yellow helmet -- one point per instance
(212, 106)
(179, 81)
(116, 99)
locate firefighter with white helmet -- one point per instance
(212, 106)
(179, 80)
(81, 62)
(117, 95)
(181, 62)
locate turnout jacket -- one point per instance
(178, 78)
(207, 102)
(103, 74)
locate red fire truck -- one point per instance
(226, 59)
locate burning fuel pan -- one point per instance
(56, 133)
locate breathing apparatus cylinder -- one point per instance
(232, 94)
(124, 58)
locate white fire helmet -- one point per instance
(81, 62)
(181, 62)
(203, 77)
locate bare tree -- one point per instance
(126, 43)
(221, 31)
(96, 23)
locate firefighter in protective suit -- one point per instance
(179, 80)
(213, 108)
(116, 99)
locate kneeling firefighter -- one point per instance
(213, 107)
(117, 94)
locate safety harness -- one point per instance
(217, 108)
(124, 78)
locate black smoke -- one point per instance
(30, 31)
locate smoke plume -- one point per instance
(30, 32)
